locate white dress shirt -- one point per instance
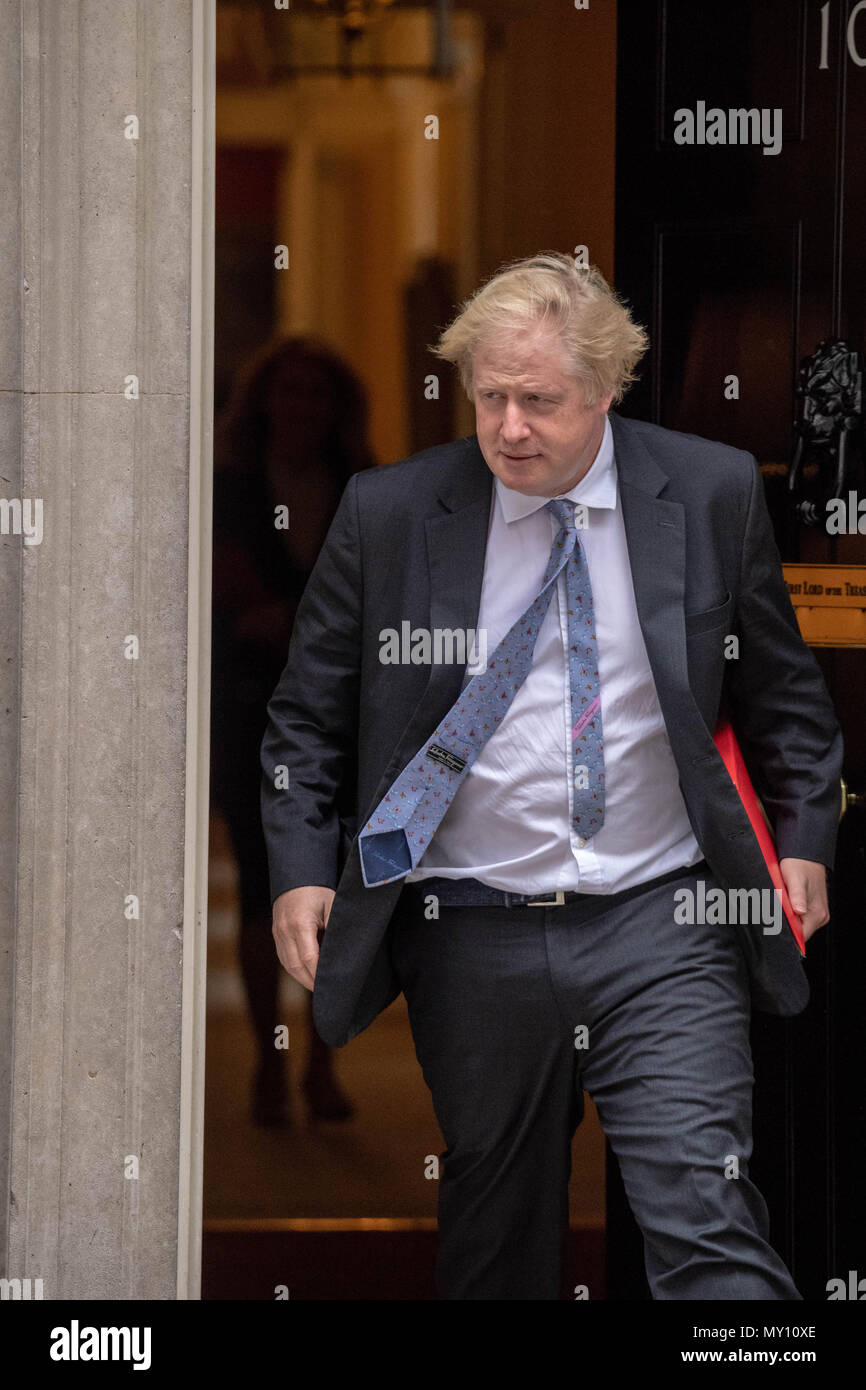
(510, 824)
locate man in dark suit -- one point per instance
(525, 839)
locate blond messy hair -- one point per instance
(602, 341)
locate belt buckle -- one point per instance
(558, 900)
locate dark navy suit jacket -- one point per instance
(408, 543)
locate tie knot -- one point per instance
(563, 510)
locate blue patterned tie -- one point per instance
(406, 819)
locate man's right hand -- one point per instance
(298, 917)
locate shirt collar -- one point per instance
(597, 487)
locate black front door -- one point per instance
(740, 236)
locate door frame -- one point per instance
(197, 768)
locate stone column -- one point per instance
(104, 378)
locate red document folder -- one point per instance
(726, 742)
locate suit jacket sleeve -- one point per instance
(780, 706)
(312, 717)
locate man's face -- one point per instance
(533, 429)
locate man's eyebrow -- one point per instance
(532, 386)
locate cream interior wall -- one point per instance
(364, 194)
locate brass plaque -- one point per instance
(830, 602)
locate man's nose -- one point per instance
(514, 423)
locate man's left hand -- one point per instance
(806, 883)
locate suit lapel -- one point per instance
(456, 546)
(456, 538)
(655, 535)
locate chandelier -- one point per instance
(356, 16)
(359, 31)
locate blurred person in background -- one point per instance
(292, 433)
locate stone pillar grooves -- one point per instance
(95, 161)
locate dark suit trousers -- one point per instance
(495, 997)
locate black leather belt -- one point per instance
(470, 892)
